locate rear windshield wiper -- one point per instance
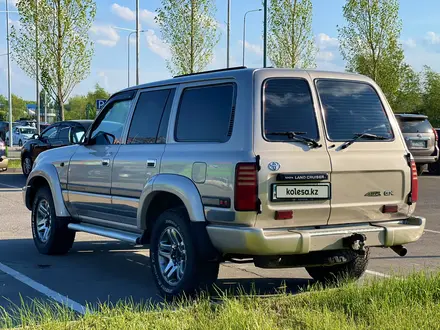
(365, 135)
(298, 136)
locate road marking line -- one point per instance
(372, 272)
(43, 289)
(9, 186)
(432, 231)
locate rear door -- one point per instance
(294, 175)
(372, 171)
(138, 160)
(419, 135)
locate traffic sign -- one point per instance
(100, 104)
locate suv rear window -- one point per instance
(410, 125)
(352, 108)
(288, 107)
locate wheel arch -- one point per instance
(46, 175)
(166, 191)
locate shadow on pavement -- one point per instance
(96, 272)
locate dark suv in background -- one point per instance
(57, 135)
(421, 139)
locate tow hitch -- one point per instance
(356, 242)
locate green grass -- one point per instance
(14, 163)
(410, 303)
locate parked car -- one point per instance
(421, 139)
(3, 159)
(434, 168)
(4, 127)
(279, 167)
(57, 135)
(21, 134)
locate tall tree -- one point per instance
(431, 95)
(61, 45)
(190, 30)
(290, 41)
(369, 42)
(409, 95)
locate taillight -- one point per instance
(435, 134)
(414, 182)
(246, 187)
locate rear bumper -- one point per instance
(256, 241)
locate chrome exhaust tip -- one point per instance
(400, 250)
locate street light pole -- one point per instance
(9, 75)
(244, 30)
(228, 34)
(128, 57)
(137, 42)
(265, 35)
(128, 47)
(37, 85)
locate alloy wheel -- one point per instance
(172, 255)
(43, 220)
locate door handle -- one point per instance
(151, 163)
(106, 162)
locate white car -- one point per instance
(21, 134)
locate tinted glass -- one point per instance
(50, 133)
(76, 134)
(351, 108)
(288, 107)
(112, 123)
(63, 135)
(414, 126)
(205, 114)
(28, 130)
(147, 116)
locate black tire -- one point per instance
(351, 270)
(60, 238)
(198, 273)
(24, 167)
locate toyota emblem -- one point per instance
(274, 166)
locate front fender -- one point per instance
(175, 184)
(48, 172)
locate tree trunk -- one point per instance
(192, 38)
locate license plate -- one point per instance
(418, 144)
(301, 192)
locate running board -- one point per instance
(107, 232)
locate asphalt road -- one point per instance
(104, 270)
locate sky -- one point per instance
(420, 38)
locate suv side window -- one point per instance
(148, 116)
(206, 114)
(76, 134)
(50, 133)
(110, 125)
(288, 107)
(63, 136)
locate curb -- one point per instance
(13, 170)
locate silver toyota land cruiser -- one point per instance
(279, 167)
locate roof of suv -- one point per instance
(243, 71)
